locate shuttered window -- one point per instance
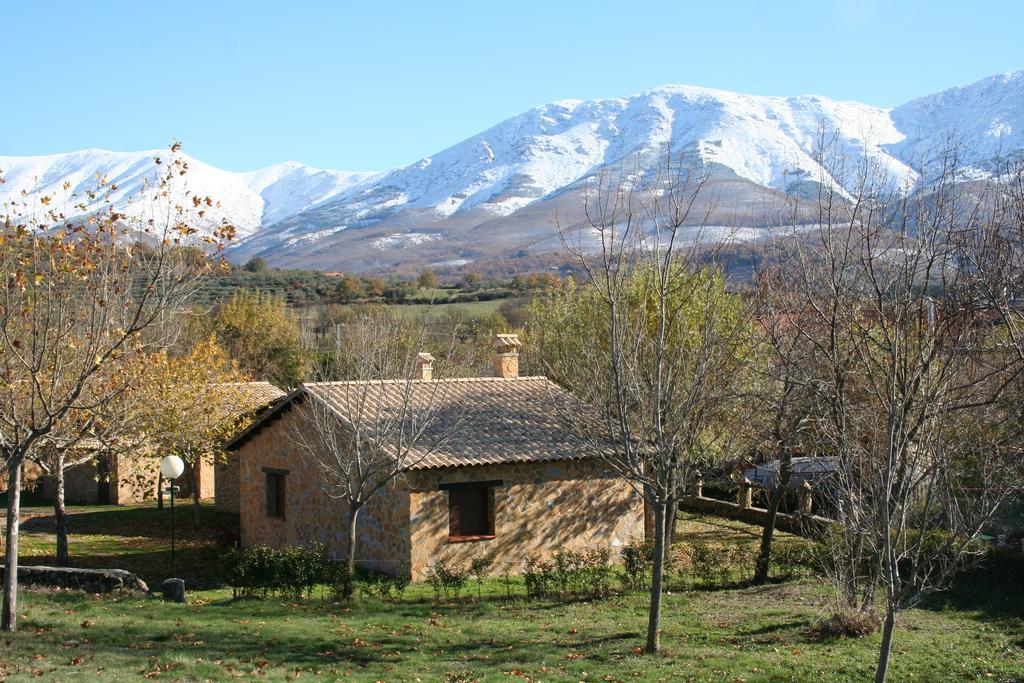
(470, 513)
(276, 492)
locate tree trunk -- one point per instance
(160, 491)
(670, 526)
(883, 653)
(193, 480)
(9, 618)
(657, 579)
(765, 554)
(60, 514)
(350, 529)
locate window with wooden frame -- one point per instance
(471, 510)
(276, 492)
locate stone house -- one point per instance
(105, 475)
(507, 481)
(257, 398)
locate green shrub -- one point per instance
(447, 580)
(480, 568)
(340, 581)
(389, 587)
(707, 559)
(792, 559)
(636, 564)
(569, 571)
(598, 572)
(539, 576)
(290, 572)
(739, 561)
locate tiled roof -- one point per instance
(253, 396)
(238, 398)
(478, 421)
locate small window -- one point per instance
(470, 513)
(275, 492)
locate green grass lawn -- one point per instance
(736, 634)
(730, 635)
(132, 537)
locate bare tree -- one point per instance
(905, 361)
(782, 404)
(385, 416)
(78, 295)
(652, 344)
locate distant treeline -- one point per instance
(314, 287)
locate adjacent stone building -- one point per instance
(103, 476)
(116, 476)
(256, 398)
(495, 473)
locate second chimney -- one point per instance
(425, 365)
(506, 356)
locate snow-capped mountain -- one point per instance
(985, 119)
(248, 200)
(493, 194)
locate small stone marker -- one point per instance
(173, 590)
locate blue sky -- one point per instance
(369, 86)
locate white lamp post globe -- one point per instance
(171, 466)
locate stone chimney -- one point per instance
(506, 356)
(424, 366)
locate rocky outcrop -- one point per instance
(88, 580)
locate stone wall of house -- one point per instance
(225, 474)
(128, 480)
(311, 516)
(136, 479)
(81, 484)
(205, 480)
(32, 477)
(539, 508)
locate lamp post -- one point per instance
(171, 467)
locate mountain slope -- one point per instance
(495, 194)
(248, 200)
(985, 118)
(768, 141)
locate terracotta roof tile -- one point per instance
(253, 396)
(482, 420)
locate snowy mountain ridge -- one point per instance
(499, 185)
(248, 200)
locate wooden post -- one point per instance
(804, 499)
(744, 496)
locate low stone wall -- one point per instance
(88, 580)
(803, 525)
